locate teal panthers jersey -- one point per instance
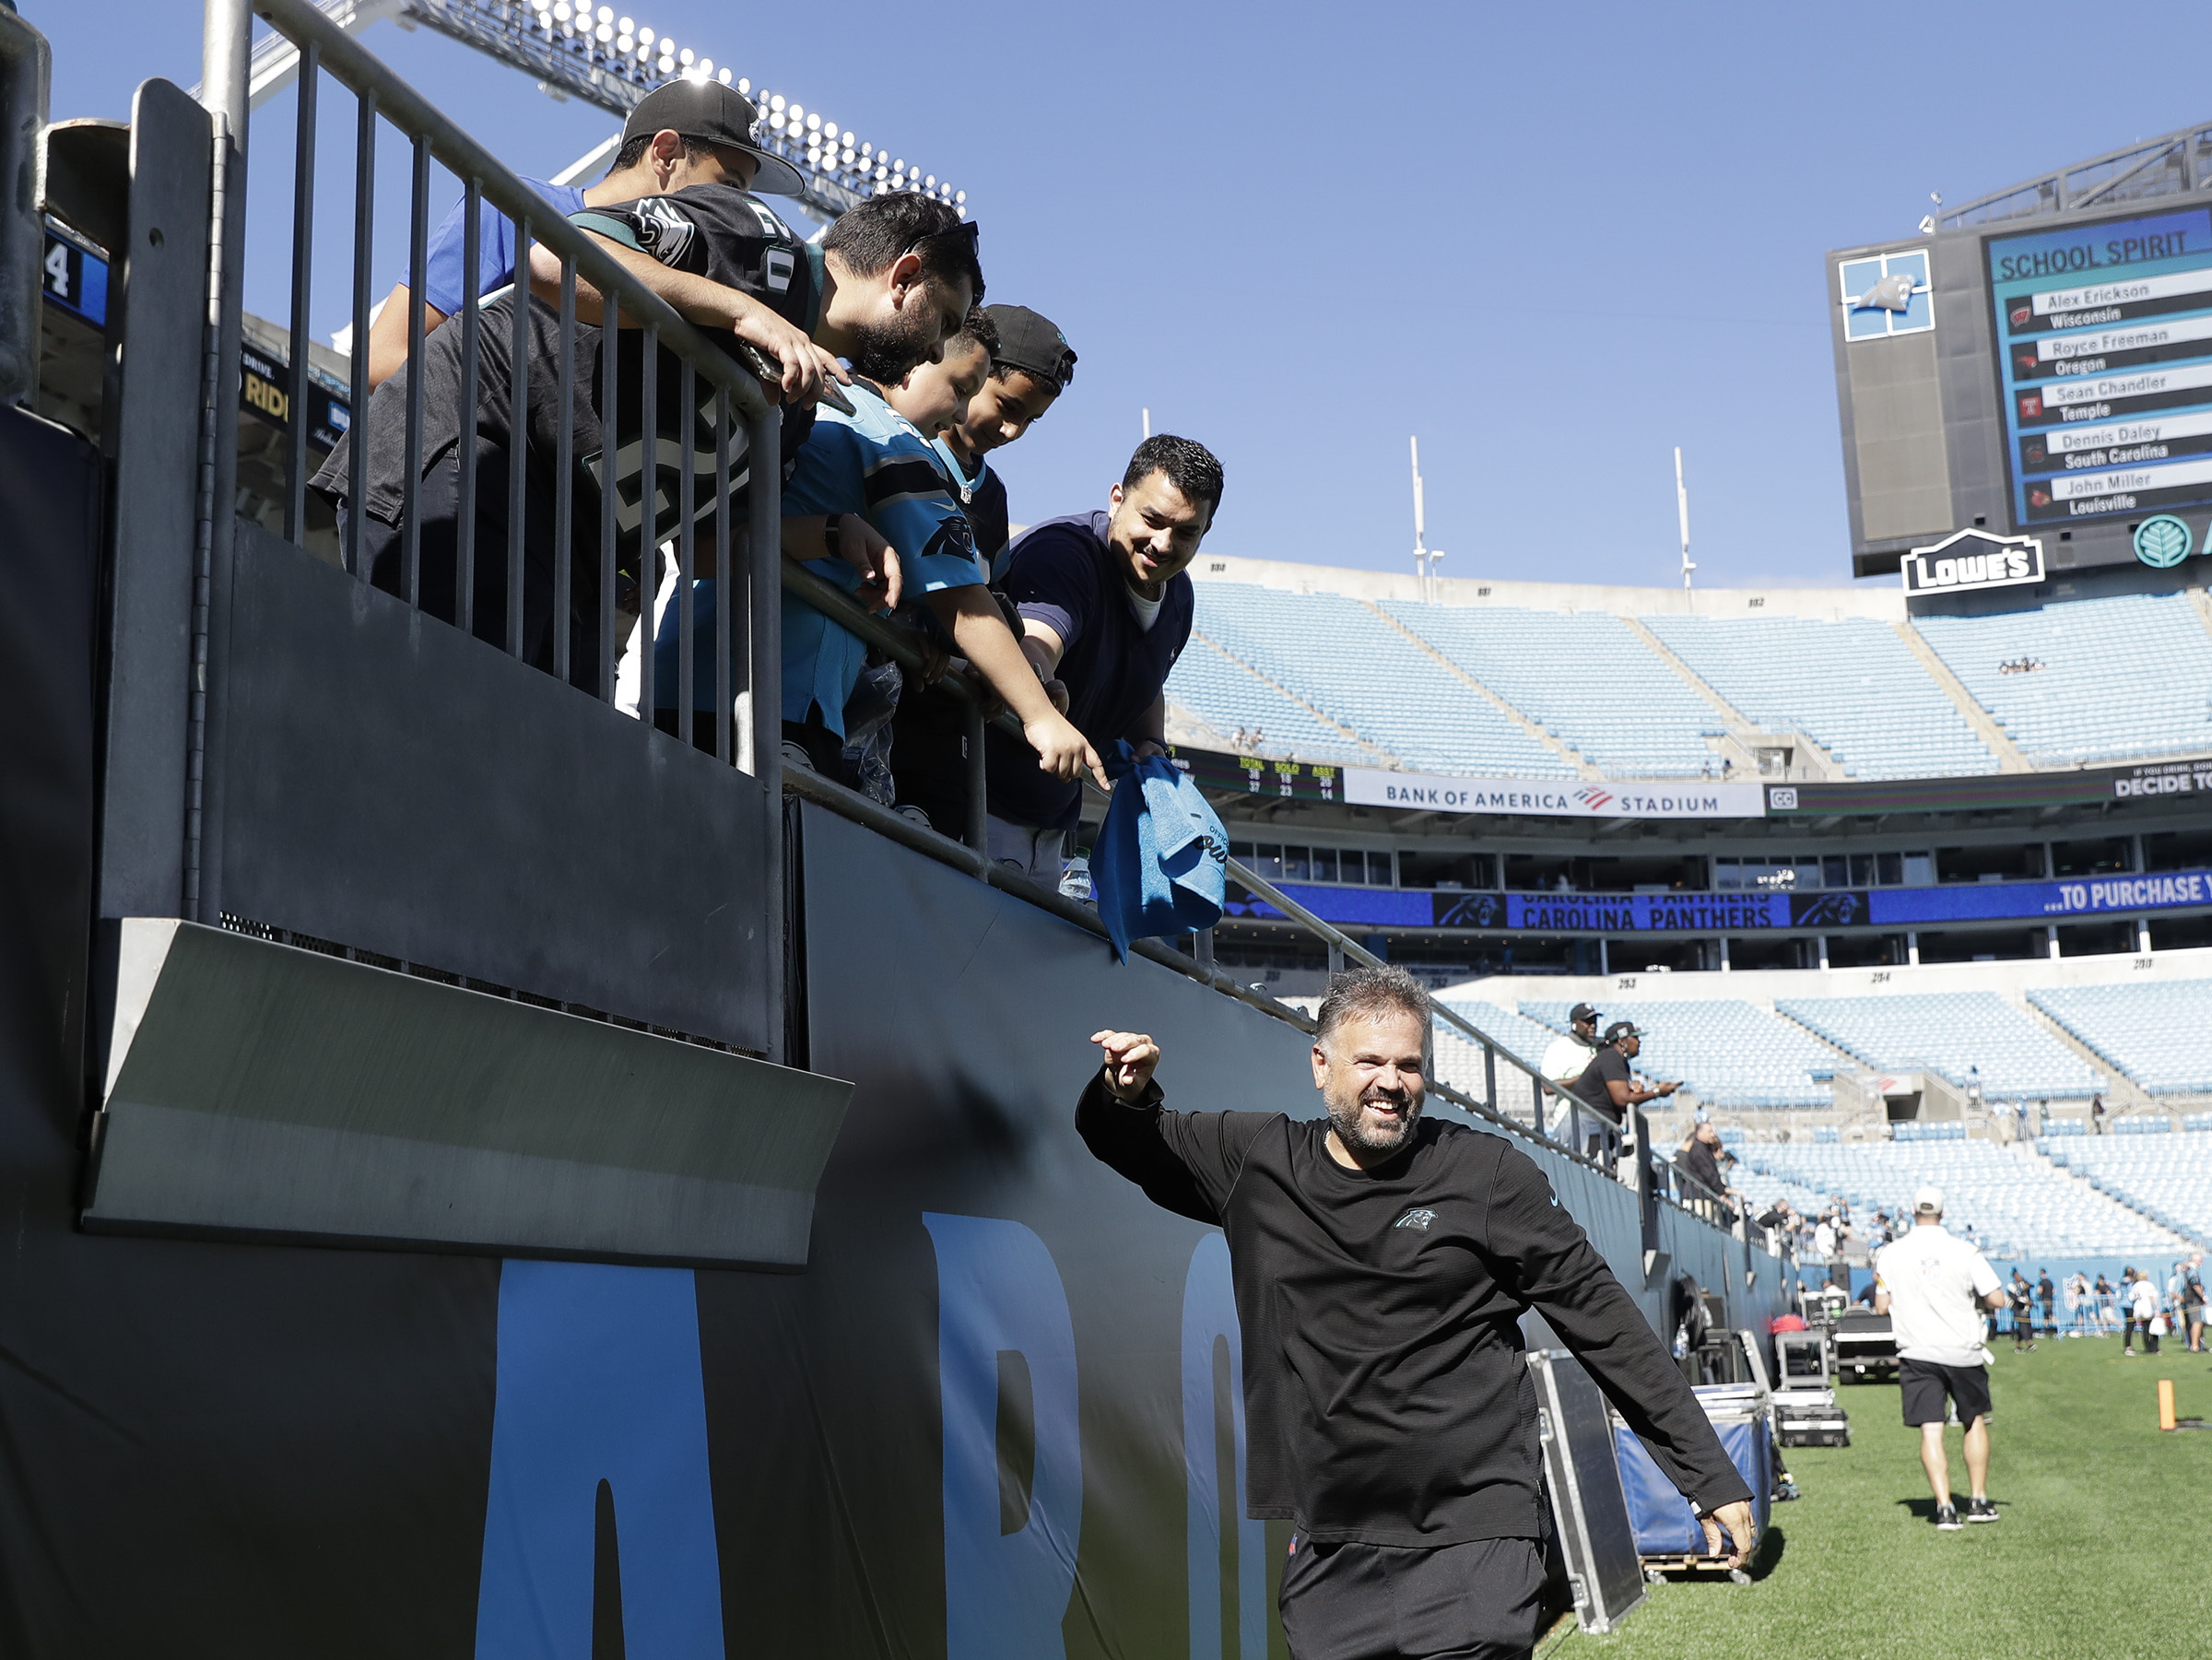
(876, 464)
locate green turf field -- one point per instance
(2103, 1549)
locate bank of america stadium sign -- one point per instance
(1692, 799)
(1225, 775)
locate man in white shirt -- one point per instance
(1567, 1056)
(1934, 1288)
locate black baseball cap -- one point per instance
(1579, 1013)
(1622, 1028)
(1032, 343)
(715, 114)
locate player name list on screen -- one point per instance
(2105, 366)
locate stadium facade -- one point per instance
(486, 1174)
(462, 1138)
(1526, 778)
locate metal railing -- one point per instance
(1591, 1138)
(551, 563)
(24, 71)
(717, 396)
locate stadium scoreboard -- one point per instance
(2046, 378)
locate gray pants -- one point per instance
(1481, 1600)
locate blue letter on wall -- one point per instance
(1209, 1311)
(997, 1291)
(598, 1380)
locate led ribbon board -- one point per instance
(2105, 371)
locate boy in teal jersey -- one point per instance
(879, 463)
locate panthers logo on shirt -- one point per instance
(1416, 1219)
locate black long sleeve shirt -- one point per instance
(1386, 1398)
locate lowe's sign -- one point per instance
(1972, 559)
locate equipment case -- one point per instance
(1668, 1536)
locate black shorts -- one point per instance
(1482, 1600)
(1924, 1384)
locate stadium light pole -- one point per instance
(1682, 513)
(1424, 556)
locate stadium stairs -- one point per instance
(1535, 728)
(2123, 1095)
(2118, 1193)
(1745, 737)
(1372, 751)
(2009, 758)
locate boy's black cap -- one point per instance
(716, 114)
(1032, 343)
(1622, 1028)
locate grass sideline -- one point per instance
(2102, 1550)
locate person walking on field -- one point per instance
(1934, 1288)
(2139, 1299)
(1381, 1262)
(2022, 1295)
(2193, 1300)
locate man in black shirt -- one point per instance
(1381, 1263)
(1700, 1160)
(1607, 1087)
(1106, 606)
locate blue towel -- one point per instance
(1161, 863)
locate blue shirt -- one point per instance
(1063, 574)
(876, 464)
(443, 281)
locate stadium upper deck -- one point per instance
(1553, 682)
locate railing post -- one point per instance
(1490, 1076)
(763, 676)
(226, 43)
(25, 69)
(978, 831)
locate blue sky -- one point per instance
(1554, 241)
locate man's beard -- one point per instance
(885, 353)
(1352, 1129)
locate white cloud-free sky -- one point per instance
(1555, 242)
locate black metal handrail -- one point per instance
(714, 389)
(842, 609)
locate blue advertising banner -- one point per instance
(2043, 901)
(1735, 913)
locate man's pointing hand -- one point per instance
(1130, 1057)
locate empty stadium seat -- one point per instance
(1228, 695)
(1951, 1034)
(1852, 686)
(2155, 1032)
(1587, 677)
(2167, 1177)
(2119, 677)
(1459, 1059)
(1349, 663)
(2017, 1206)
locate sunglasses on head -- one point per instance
(969, 229)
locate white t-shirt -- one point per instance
(2144, 1299)
(1935, 1284)
(1565, 1059)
